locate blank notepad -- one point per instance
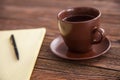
(28, 42)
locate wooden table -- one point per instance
(23, 14)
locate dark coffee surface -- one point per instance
(78, 18)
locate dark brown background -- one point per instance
(21, 14)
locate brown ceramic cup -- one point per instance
(80, 28)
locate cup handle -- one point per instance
(101, 35)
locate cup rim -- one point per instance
(78, 8)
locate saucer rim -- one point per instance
(105, 51)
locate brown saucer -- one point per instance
(59, 48)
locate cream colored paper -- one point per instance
(28, 42)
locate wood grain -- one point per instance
(21, 14)
(57, 75)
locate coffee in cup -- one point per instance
(79, 26)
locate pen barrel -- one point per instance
(15, 46)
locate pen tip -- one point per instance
(17, 58)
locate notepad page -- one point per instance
(28, 43)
